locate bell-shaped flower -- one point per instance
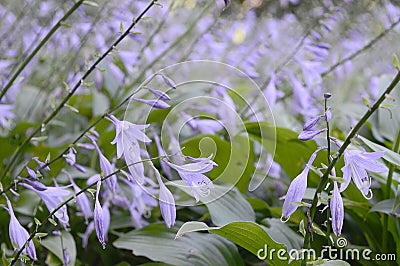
(81, 200)
(192, 175)
(126, 132)
(107, 168)
(337, 210)
(310, 134)
(355, 165)
(297, 189)
(70, 157)
(159, 104)
(167, 202)
(161, 152)
(99, 218)
(19, 235)
(52, 198)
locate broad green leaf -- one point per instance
(249, 236)
(235, 160)
(159, 244)
(282, 233)
(288, 150)
(53, 244)
(389, 156)
(387, 206)
(225, 204)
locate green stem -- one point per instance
(346, 143)
(74, 89)
(385, 231)
(38, 47)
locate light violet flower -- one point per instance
(126, 132)
(169, 81)
(337, 210)
(19, 235)
(99, 218)
(31, 172)
(107, 168)
(161, 152)
(297, 189)
(81, 200)
(153, 103)
(160, 94)
(167, 202)
(355, 165)
(52, 198)
(192, 175)
(70, 157)
(41, 164)
(310, 134)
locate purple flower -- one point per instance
(107, 169)
(310, 134)
(328, 115)
(167, 202)
(337, 210)
(355, 165)
(71, 160)
(168, 81)
(31, 173)
(6, 115)
(81, 200)
(52, 198)
(160, 94)
(153, 103)
(297, 189)
(99, 218)
(161, 152)
(41, 164)
(125, 133)
(308, 126)
(19, 235)
(271, 93)
(192, 175)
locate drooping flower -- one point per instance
(310, 134)
(19, 235)
(126, 132)
(160, 94)
(99, 218)
(355, 165)
(192, 175)
(42, 164)
(161, 152)
(337, 210)
(127, 137)
(167, 202)
(159, 104)
(81, 200)
(52, 198)
(70, 157)
(297, 189)
(107, 168)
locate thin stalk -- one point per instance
(75, 88)
(38, 47)
(346, 143)
(385, 231)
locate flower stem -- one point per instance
(385, 231)
(38, 47)
(346, 143)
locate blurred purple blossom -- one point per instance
(98, 218)
(19, 235)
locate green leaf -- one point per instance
(389, 156)
(159, 244)
(248, 235)
(53, 244)
(223, 204)
(387, 206)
